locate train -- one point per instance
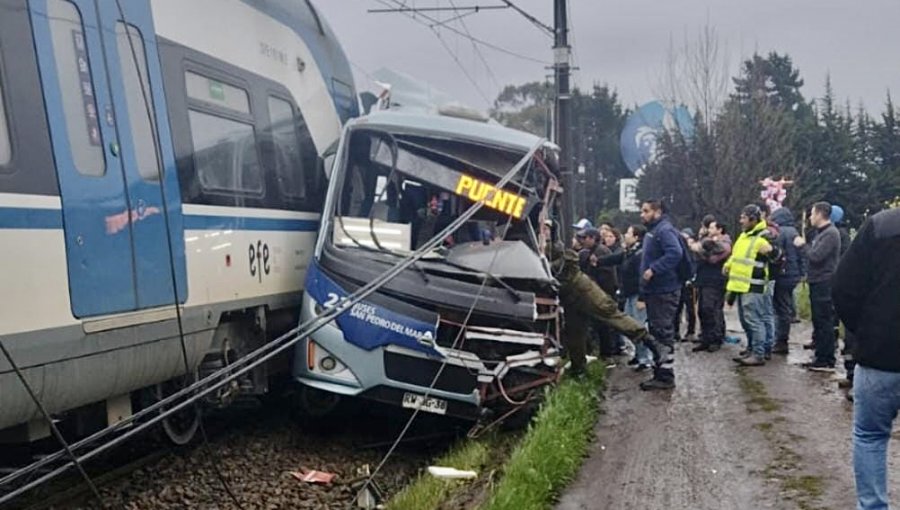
(161, 186)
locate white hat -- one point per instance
(583, 223)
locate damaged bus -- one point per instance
(471, 330)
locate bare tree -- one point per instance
(696, 73)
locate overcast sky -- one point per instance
(624, 43)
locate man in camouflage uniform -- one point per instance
(583, 301)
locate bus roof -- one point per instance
(451, 127)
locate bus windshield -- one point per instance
(396, 192)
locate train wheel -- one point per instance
(179, 427)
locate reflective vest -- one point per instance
(747, 268)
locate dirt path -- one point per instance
(775, 437)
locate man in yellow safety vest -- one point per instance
(748, 273)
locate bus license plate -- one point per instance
(430, 404)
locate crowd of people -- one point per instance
(633, 288)
(658, 275)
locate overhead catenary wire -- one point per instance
(225, 375)
(476, 48)
(547, 29)
(455, 58)
(415, 14)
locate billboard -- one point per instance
(638, 141)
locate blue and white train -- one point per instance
(154, 153)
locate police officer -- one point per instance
(584, 301)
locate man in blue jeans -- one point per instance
(748, 280)
(867, 299)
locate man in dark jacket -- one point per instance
(823, 256)
(787, 275)
(661, 288)
(712, 248)
(867, 299)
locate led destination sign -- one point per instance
(497, 199)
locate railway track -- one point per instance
(255, 448)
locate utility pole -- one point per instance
(562, 128)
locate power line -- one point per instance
(241, 366)
(482, 42)
(536, 22)
(477, 50)
(56, 433)
(451, 53)
(460, 339)
(473, 8)
(462, 67)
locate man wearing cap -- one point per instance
(748, 277)
(582, 224)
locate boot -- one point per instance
(752, 361)
(657, 384)
(741, 356)
(780, 348)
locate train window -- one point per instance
(140, 112)
(225, 155)
(290, 167)
(5, 147)
(215, 92)
(73, 68)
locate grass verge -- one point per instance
(427, 492)
(549, 454)
(553, 447)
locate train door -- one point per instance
(146, 148)
(80, 114)
(107, 160)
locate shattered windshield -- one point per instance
(397, 191)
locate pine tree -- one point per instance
(886, 143)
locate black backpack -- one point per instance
(687, 266)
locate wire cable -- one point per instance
(462, 67)
(476, 48)
(243, 365)
(458, 343)
(449, 52)
(53, 427)
(154, 135)
(547, 29)
(460, 33)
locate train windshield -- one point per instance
(397, 191)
